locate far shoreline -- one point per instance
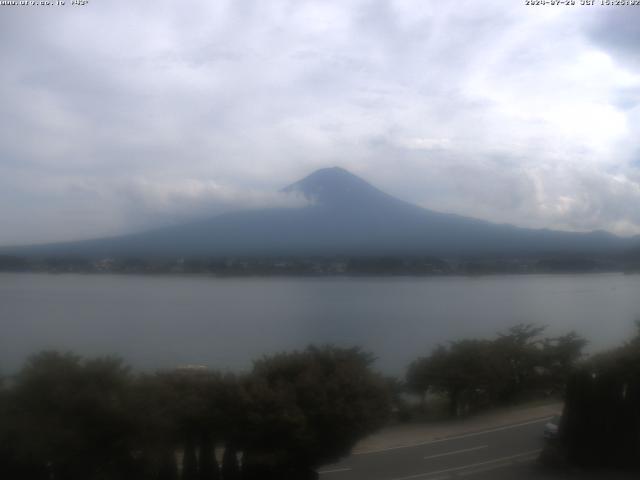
(293, 276)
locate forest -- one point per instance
(64, 417)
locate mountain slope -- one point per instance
(346, 216)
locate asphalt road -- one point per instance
(499, 453)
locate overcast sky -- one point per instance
(122, 115)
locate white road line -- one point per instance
(466, 435)
(484, 468)
(335, 470)
(471, 465)
(456, 452)
(488, 468)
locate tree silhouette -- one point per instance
(72, 417)
(601, 420)
(208, 465)
(189, 461)
(474, 373)
(230, 467)
(69, 418)
(309, 408)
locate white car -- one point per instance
(551, 428)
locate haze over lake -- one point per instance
(156, 321)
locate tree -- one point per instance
(474, 373)
(168, 469)
(72, 416)
(208, 465)
(520, 349)
(189, 461)
(186, 410)
(465, 371)
(309, 408)
(559, 358)
(7, 459)
(418, 379)
(155, 407)
(230, 467)
(601, 421)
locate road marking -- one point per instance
(335, 470)
(484, 468)
(456, 452)
(471, 465)
(457, 437)
(488, 468)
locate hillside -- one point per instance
(345, 216)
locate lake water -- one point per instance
(156, 321)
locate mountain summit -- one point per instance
(337, 187)
(346, 216)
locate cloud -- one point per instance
(616, 31)
(122, 116)
(159, 203)
(87, 208)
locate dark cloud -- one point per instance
(617, 32)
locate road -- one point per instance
(465, 455)
(499, 453)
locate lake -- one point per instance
(167, 321)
